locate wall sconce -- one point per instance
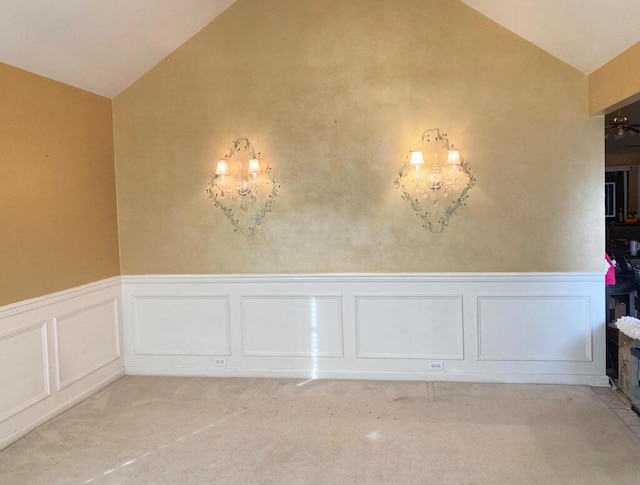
(243, 180)
(440, 191)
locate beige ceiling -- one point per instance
(103, 46)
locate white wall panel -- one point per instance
(427, 327)
(292, 326)
(540, 328)
(75, 344)
(86, 340)
(494, 327)
(24, 374)
(181, 325)
(534, 328)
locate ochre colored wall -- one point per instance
(615, 84)
(57, 187)
(334, 93)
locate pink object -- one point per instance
(610, 276)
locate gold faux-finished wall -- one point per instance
(57, 187)
(617, 83)
(335, 93)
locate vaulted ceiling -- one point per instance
(103, 46)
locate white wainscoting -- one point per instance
(181, 325)
(404, 327)
(537, 328)
(285, 326)
(24, 376)
(55, 351)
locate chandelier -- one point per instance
(243, 182)
(435, 193)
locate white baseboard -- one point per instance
(567, 379)
(43, 418)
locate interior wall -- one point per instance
(617, 83)
(57, 187)
(335, 94)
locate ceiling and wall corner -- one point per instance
(96, 45)
(584, 33)
(615, 84)
(103, 46)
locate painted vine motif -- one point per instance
(226, 199)
(435, 218)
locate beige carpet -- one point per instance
(146, 430)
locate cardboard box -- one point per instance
(624, 362)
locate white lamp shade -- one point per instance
(222, 168)
(254, 166)
(416, 158)
(453, 158)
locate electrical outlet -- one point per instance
(435, 365)
(220, 361)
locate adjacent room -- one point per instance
(312, 241)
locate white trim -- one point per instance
(59, 296)
(90, 375)
(347, 288)
(153, 296)
(589, 276)
(588, 333)
(113, 302)
(46, 391)
(567, 379)
(560, 365)
(298, 296)
(391, 355)
(6, 440)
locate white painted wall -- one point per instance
(539, 328)
(56, 351)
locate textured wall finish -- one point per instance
(617, 83)
(335, 93)
(57, 187)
